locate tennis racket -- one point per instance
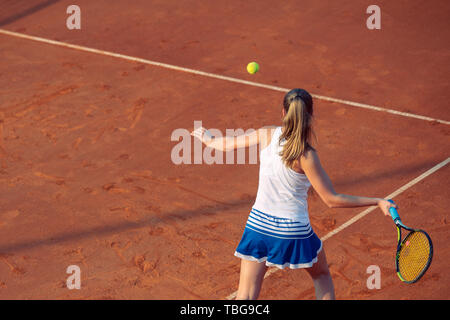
(414, 252)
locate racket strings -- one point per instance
(413, 256)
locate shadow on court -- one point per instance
(196, 212)
(16, 10)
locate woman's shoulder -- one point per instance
(265, 135)
(309, 154)
(310, 151)
(309, 157)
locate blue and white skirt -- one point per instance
(280, 242)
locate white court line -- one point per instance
(365, 212)
(212, 75)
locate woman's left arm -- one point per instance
(229, 143)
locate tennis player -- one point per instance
(278, 231)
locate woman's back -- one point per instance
(282, 192)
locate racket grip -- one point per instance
(394, 214)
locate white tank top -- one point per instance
(282, 192)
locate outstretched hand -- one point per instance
(203, 134)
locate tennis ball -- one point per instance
(252, 67)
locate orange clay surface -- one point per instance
(86, 176)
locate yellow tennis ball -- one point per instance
(252, 67)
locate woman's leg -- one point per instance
(251, 278)
(320, 274)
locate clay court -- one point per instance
(86, 117)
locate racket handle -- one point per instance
(394, 214)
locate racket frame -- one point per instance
(400, 243)
(398, 222)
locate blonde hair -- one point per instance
(297, 126)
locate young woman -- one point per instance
(278, 232)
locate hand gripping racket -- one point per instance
(414, 252)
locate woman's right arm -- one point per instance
(320, 181)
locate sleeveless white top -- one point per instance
(282, 192)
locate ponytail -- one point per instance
(297, 126)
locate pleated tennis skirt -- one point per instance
(280, 242)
